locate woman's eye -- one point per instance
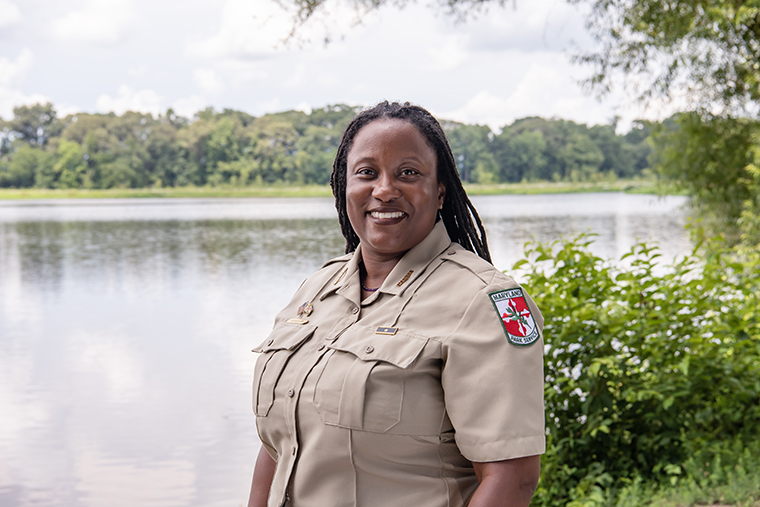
(409, 172)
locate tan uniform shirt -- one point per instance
(387, 401)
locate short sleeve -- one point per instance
(493, 384)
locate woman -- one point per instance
(409, 371)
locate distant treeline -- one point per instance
(135, 150)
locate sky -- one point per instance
(149, 55)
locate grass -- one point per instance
(544, 187)
(720, 474)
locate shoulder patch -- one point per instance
(516, 318)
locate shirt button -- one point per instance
(355, 310)
(291, 393)
(321, 346)
(452, 252)
(269, 342)
(370, 349)
(294, 451)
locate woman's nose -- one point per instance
(385, 188)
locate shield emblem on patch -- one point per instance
(518, 322)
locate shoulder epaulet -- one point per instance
(472, 262)
(342, 258)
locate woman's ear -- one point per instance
(441, 194)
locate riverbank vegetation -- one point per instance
(283, 190)
(652, 376)
(234, 149)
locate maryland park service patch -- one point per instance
(518, 322)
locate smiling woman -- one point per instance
(410, 370)
(392, 192)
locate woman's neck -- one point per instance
(374, 270)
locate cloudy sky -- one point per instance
(149, 55)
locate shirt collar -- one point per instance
(414, 262)
(411, 265)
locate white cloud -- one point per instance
(98, 22)
(188, 106)
(268, 106)
(144, 101)
(13, 98)
(545, 90)
(10, 14)
(304, 107)
(260, 30)
(539, 25)
(12, 73)
(241, 73)
(207, 80)
(248, 29)
(449, 53)
(139, 72)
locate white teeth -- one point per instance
(395, 214)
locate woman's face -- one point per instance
(392, 188)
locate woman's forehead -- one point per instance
(385, 133)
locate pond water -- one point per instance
(126, 328)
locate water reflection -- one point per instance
(126, 329)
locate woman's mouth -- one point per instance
(387, 215)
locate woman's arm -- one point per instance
(508, 483)
(262, 479)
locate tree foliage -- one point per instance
(644, 365)
(233, 148)
(710, 158)
(710, 49)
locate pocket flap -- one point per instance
(286, 337)
(400, 349)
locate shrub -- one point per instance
(644, 364)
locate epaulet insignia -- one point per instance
(516, 319)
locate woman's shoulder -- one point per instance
(337, 260)
(327, 271)
(464, 265)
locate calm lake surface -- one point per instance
(126, 328)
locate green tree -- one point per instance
(581, 158)
(34, 124)
(273, 146)
(708, 158)
(71, 167)
(618, 157)
(706, 48)
(471, 145)
(24, 165)
(521, 155)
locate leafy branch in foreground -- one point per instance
(708, 49)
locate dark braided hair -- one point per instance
(459, 215)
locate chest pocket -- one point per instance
(275, 352)
(360, 385)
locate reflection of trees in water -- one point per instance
(39, 250)
(144, 249)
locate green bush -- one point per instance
(645, 365)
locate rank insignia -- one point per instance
(386, 330)
(516, 319)
(305, 309)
